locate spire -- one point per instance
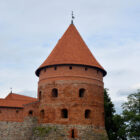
(71, 49)
(72, 17)
(11, 90)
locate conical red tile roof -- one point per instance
(71, 49)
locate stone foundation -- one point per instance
(31, 130)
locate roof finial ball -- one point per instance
(72, 16)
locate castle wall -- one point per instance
(31, 130)
(11, 114)
(68, 82)
(17, 130)
(64, 72)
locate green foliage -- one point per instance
(114, 123)
(119, 127)
(43, 131)
(109, 112)
(131, 114)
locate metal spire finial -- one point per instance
(11, 90)
(72, 16)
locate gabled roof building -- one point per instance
(70, 102)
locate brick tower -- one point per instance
(70, 89)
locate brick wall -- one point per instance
(31, 130)
(11, 114)
(68, 82)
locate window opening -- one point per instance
(72, 133)
(55, 68)
(54, 92)
(86, 68)
(87, 113)
(81, 92)
(70, 67)
(64, 113)
(30, 113)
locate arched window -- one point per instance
(70, 67)
(30, 113)
(42, 114)
(54, 92)
(72, 134)
(87, 113)
(81, 92)
(40, 95)
(64, 113)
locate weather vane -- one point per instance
(11, 90)
(72, 16)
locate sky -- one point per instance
(29, 30)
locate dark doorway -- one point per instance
(72, 134)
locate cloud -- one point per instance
(136, 86)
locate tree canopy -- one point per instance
(126, 125)
(114, 123)
(131, 114)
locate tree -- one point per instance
(114, 123)
(109, 112)
(119, 127)
(131, 114)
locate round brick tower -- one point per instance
(70, 89)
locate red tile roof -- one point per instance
(16, 100)
(71, 49)
(19, 97)
(13, 103)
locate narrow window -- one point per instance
(64, 113)
(97, 71)
(72, 134)
(87, 114)
(40, 95)
(55, 68)
(17, 111)
(70, 67)
(42, 114)
(86, 68)
(30, 113)
(81, 92)
(54, 92)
